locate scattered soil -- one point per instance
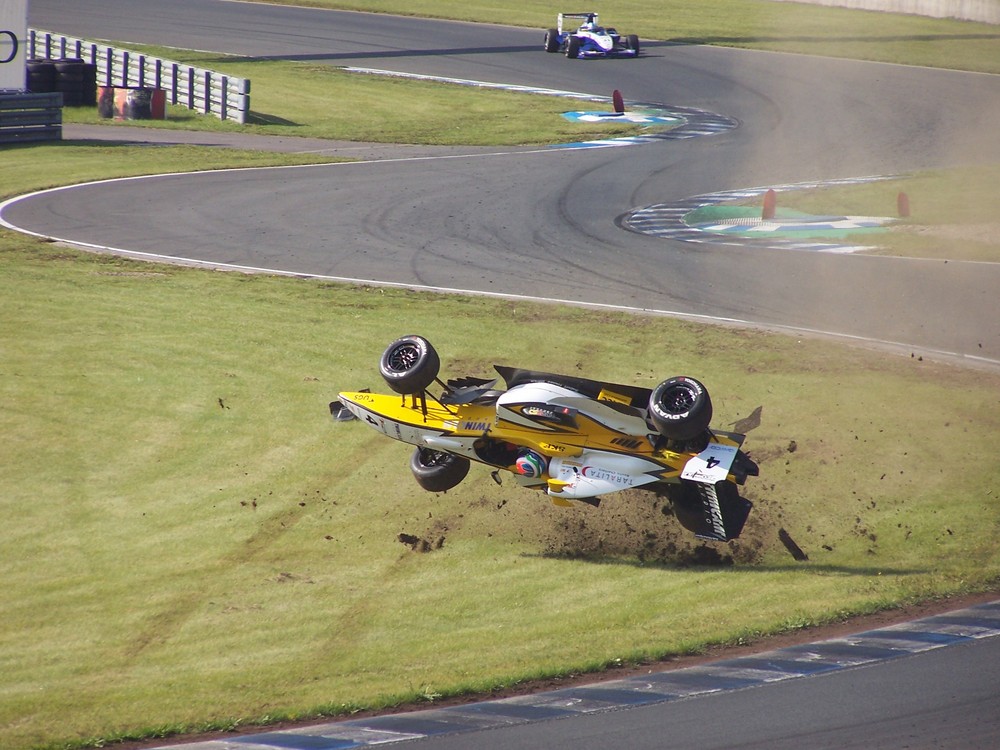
(634, 525)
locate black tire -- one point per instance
(552, 40)
(573, 46)
(409, 364)
(42, 75)
(437, 471)
(680, 408)
(632, 42)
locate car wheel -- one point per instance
(437, 471)
(680, 408)
(552, 40)
(632, 42)
(573, 46)
(409, 365)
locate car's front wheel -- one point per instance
(438, 471)
(632, 43)
(573, 46)
(409, 364)
(680, 408)
(552, 40)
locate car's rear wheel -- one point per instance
(437, 471)
(409, 364)
(573, 46)
(552, 40)
(632, 42)
(680, 408)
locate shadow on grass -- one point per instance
(708, 558)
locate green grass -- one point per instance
(332, 103)
(192, 544)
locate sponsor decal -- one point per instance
(618, 398)
(559, 414)
(475, 426)
(13, 44)
(713, 513)
(607, 475)
(711, 465)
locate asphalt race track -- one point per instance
(546, 223)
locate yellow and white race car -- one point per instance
(572, 438)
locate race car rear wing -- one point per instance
(588, 17)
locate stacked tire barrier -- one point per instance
(198, 89)
(75, 79)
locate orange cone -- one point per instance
(770, 204)
(903, 205)
(618, 102)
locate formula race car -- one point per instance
(568, 437)
(590, 39)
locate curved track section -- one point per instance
(468, 223)
(769, 672)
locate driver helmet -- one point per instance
(530, 464)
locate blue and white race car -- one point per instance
(590, 39)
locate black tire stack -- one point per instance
(74, 78)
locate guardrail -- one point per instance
(207, 91)
(30, 117)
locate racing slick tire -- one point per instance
(680, 408)
(632, 42)
(438, 471)
(573, 46)
(552, 40)
(409, 364)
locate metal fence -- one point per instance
(30, 117)
(207, 91)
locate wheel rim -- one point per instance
(403, 358)
(678, 399)
(434, 458)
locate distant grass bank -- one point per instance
(750, 24)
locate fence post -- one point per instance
(224, 98)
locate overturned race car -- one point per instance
(571, 438)
(590, 39)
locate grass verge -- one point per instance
(191, 544)
(332, 103)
